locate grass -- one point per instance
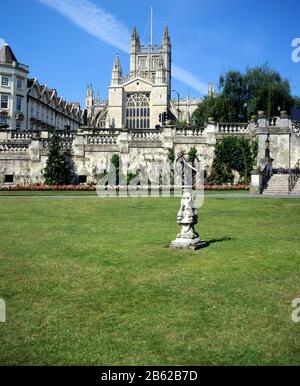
(92, 282)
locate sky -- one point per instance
(71, 43)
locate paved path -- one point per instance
(230, 195)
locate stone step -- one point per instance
(273, 184)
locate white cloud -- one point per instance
(189, 79)
(94, 20)
(2, 42)
(106, 27)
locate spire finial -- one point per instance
(166, 31)
(117, 64)
(134, 33)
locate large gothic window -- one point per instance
(138, 111)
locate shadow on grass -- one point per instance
(213, 241)
(209, 242)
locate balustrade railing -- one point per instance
(103, 137)
(21, 135)
(64, 135)
(65, 144)
(294, 176)
(13, 147)
(145, 135)
(189, 132)
(232, 127)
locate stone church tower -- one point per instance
(136, 101)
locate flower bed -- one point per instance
(91, 188)
(33, 188)
(226, 187)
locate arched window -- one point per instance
(138, 111)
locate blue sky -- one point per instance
(70, 43)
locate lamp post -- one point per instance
(178, 99)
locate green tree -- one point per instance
(210, 107)
(244, 94)
(55, 172)
(171, 155)
(192, 155)
(267, 90)
(115, 160)
(233, 154)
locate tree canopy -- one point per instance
(233, 154)
(244, 94)
(56, 170)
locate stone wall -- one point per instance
(24, 154)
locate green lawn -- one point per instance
(93, 282)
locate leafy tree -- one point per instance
(267, 90)
(115, 160)
(171, 155)
(192, 155)
(233, 153)
(210, 107)
(244, 94)
(55, 172)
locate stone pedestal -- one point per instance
(256, 181)
(193, 244)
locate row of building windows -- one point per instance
(143, 62)
(138, 111)
(4, 121)
(138, 123)
(4, 102)
(5, 82)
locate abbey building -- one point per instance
(128, 124)
(137, 100)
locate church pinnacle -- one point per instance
(166, 34)
(116, 71)
(134, 33)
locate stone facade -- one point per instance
(126, 124)
(27, 105)
(23, 154)
(135, 101)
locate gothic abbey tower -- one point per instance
(135, 101)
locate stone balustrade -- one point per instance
(65, 135)
(21, 135)
(232, 127)
(103, 137)
(65, 144)
(146, 135)
(13, 147)
(192, 132)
